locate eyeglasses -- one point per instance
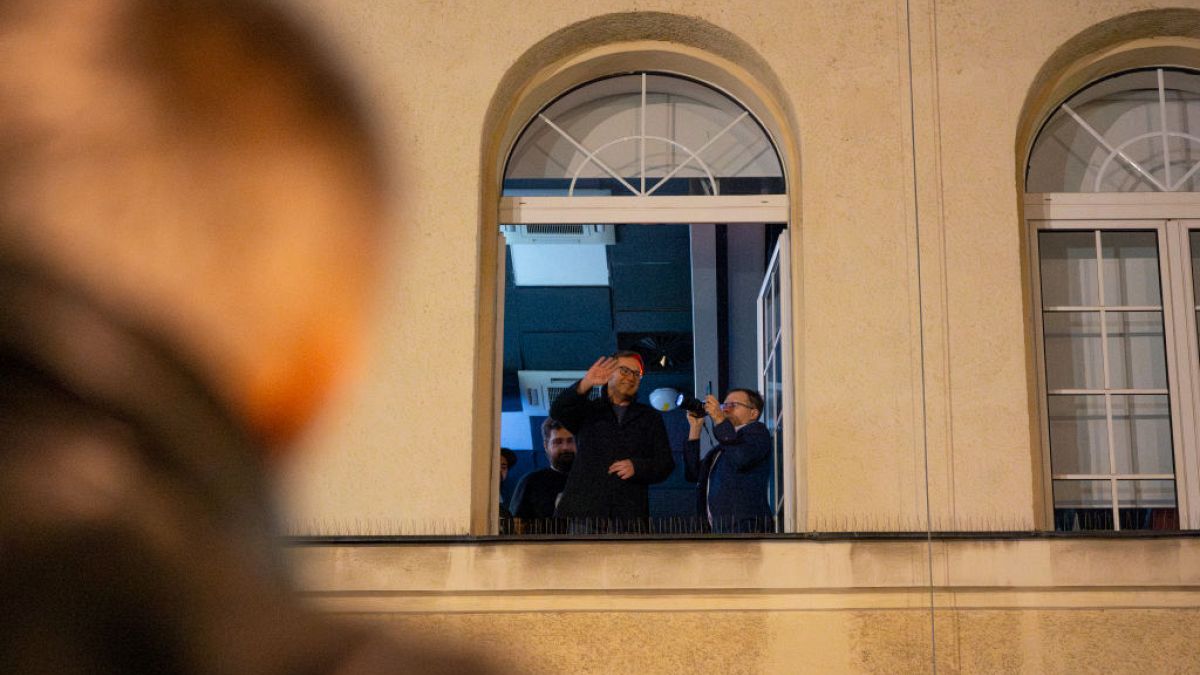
(733, 404)
(629, 371)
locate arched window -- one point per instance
(1111, 206)
(647, 211)
(644, 135)
(1134, 132)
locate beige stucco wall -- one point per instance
(1020, 606)
(911, 342)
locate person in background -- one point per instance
(537, 493)
(508, 459)
(621, 448)
(731, 491)
(190, 201)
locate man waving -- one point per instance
(621, 448)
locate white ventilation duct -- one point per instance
(560, 234)
(539, 388)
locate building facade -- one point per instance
(988, 397)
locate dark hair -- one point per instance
(756, 399)
(510, 456)
(629, 353)
(548, 427)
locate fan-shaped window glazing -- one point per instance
(1137, 131)
(644, 134)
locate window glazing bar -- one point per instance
(1097, 308)
(696, 155)
(588, 154)
(1116, 476)
(1162, 121)
(1100, 139)
(642, 138)
(1183, 179)
(1115, 392)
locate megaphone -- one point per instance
(664, 399)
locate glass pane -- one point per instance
(1125, 110)
(1146, 493)
(606, 116)
(1068, 266)
(1116, 175)
(1137, 357)
(1078, 435)
(776, 382)
(776, 301)
(1142, 434)
(777, 479)
(1082, 494)
(1147, 504)
(1061, 156)
(1130, 268)
(1083, 505)
(1073, 350)
(1184, 153)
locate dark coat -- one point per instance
(593, 493)
(734, 489)
(537, 492)
(135, 529)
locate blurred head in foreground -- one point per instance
(188, 204)
(198, 168)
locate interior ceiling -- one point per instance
(567, 328)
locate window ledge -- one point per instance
(751, 574)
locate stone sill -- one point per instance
(750, 574)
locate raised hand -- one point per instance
(713, 407)
(598, 374)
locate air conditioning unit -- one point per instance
(560, 234)
(539, 388)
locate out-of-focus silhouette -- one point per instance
(189, 199)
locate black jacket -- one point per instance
(536, 493)
(135, 529)
(593, 493)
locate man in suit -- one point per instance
(731, 491)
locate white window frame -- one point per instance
(1171, 216)
(775, 345)
(581, 213)
(729, 209)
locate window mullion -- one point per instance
(1179, 306)
(1033, 227)
(1107, 382)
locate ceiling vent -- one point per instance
(539, 388)
(560, 234)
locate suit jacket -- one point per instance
(732, 478)
(593, 493)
